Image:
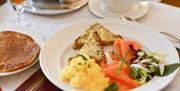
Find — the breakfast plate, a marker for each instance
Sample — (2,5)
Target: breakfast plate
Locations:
(58,49)
(32,9)
(135,12)
(20,29)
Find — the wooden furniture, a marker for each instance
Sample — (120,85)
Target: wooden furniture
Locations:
(172,2)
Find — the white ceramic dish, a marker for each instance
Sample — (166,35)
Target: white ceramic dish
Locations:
(56,51)
(99,9)
(31,9)
(36,37)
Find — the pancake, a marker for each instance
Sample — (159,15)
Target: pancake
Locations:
(17,51)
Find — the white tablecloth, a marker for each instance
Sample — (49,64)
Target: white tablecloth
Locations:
(161,16)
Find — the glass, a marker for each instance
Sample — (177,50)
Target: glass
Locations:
(18,6)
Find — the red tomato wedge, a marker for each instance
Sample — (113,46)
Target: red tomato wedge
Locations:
(123,78)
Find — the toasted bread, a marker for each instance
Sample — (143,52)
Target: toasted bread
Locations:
(92,48)
(17,51)
(106,36)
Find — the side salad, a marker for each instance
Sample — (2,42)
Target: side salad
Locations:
(133,67)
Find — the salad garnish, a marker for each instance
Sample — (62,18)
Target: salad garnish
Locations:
(123,61)
(170,68)
(148,65)
(112,87)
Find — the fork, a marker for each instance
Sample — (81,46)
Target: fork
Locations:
(176,37)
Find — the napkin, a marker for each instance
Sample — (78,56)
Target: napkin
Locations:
(37,82)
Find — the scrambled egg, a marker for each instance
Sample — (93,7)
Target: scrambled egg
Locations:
(85,74)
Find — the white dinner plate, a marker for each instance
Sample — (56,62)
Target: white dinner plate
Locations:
(32,9)
(135,12)
(56,51)
(24,30)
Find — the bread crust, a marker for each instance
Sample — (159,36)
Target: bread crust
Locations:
(17,51)
(105,35)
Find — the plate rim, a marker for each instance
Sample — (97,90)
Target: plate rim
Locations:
(57,11)
(98,14)
(19,30)
(102,20)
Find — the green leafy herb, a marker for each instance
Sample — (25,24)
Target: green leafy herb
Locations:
(141,53)
(152,68)
(167,70)
(123,61)
(143,76)
(170,68)
(118,69)
(112,87)
(82,56)
(134,72)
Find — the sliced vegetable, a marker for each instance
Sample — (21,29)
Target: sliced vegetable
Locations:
(135,44)
(112,87)
(124,76)
(152,68)
(134,72)
(155,56)
(102,63)
(122,61)
(117,48)
(161,68)
(125,48)
(141,53)
(170,68)
(143,76)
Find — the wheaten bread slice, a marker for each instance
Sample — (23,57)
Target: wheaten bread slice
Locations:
(106,36)
(92,48)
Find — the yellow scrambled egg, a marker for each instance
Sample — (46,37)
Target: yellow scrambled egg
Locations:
(85,74)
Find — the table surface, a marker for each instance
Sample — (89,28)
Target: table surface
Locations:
(157,17)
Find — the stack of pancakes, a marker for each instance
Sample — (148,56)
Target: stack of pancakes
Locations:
(17,51)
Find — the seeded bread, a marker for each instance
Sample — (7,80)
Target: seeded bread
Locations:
(106,36)
(92,48)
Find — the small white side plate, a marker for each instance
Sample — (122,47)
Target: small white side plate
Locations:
(24,30)
(32,9)
(136,11)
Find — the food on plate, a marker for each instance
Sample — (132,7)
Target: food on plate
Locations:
(129,65)
(129,72)
(71,1)
(105,35)
(125,48)
(84,73)
(92,48)
(17,51)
